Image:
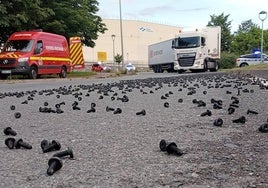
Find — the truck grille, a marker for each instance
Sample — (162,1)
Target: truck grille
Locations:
(186,62)
(7,61)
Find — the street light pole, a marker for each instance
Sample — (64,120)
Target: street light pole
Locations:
(113,37)
(262,17)
(121,32)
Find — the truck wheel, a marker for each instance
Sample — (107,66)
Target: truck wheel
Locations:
(3,76)
(33,72)
(63,72)
(205,67)
(216,67)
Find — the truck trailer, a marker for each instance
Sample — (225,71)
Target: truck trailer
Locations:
(197,50)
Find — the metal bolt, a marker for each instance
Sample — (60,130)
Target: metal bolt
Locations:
(242,119)
(118,111)
(67,152)
(10,142)
(166,104)
(20,143)
(44,144)
(170,147)
(231,110)
(9,131)
(218,122)
(54,164)
(264,128)
(207,113)
(252,112)
(143,112)
(53,146)
(108,109)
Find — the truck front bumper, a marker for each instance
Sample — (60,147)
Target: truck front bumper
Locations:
(21,68)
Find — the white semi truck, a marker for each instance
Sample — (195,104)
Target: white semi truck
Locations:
(189,50)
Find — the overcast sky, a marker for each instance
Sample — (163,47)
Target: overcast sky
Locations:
(185,13)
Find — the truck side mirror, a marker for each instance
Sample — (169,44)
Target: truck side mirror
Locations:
(203,41)
(173,44)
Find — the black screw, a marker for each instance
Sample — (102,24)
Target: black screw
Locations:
(252,112)
(231,110)
(118,111)
(20,143)
(17,115)
(67,152)
(108,109)
(9,131)
(10,142)
(54,164)
(53,146)
(206,113)
(218,122)
(242,119)
(143,112)
(12,107)
(91,110)
(44,144)
(180,100)
(264,128)
(166,104)
(170,147)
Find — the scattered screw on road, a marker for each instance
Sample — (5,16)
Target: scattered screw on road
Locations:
(68,152)
(21,144)
(55,145)
(55,164)
(9,131)
(170,147)
(10,142)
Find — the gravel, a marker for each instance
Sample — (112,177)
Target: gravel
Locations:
(122,150)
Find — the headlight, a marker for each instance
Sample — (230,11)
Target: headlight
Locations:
(23,59)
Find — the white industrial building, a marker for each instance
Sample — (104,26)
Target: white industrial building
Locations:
(137,35)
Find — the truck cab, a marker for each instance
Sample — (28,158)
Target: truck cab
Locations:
(197,51)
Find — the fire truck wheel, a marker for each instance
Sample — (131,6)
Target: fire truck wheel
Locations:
(63,72)
(33,72)
(3,76)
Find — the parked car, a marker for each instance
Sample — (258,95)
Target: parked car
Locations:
(99,68)
(250,59)
(129,67)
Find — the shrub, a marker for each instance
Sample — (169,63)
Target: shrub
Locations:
(228,60)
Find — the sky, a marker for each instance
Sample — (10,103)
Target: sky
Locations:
(185,13)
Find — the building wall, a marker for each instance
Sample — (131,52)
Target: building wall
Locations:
(137,35)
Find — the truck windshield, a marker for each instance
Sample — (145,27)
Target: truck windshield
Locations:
(187,42)
(18,46)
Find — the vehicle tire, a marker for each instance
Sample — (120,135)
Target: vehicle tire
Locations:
(154,69)
(33,73)
(243,65)
(181,71)
(4,76)
(216,68)
(63,72)
(205,67)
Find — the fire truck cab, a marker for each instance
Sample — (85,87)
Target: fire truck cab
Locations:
(35,53)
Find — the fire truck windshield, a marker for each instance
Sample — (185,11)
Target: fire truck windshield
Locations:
(18,46)
(187,42)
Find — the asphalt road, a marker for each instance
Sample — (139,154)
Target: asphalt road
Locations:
(122,150)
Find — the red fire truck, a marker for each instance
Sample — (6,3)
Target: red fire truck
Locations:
(35,53)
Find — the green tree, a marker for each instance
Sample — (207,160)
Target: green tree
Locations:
(226,37)
(17,15)
(248,37)
(74,18)
(68,18)
(246,26)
